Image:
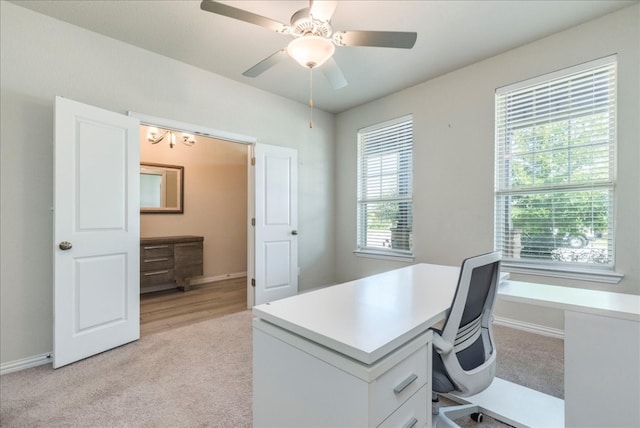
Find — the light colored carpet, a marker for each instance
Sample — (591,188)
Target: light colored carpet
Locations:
(200,376)
(194,376)
(531,360)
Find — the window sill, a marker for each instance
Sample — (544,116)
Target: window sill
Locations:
(603,276)
(384,256)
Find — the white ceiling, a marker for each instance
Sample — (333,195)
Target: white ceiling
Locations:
(451,34)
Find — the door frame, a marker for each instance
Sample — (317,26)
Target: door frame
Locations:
(250,141)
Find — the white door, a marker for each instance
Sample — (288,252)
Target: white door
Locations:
(96,231)
(276,223)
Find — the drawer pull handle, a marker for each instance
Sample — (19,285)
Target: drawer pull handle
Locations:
(411,423)
(153,247)
(408,381)
(156,260)
(160,272)
(187,245)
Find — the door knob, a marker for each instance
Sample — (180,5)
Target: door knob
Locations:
(294,232)
(65,245)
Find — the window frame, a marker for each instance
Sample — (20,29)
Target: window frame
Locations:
(403,175)
(562,269)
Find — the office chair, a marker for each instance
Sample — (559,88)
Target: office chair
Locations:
(464,354)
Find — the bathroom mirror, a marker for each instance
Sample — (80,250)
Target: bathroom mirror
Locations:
(161,189)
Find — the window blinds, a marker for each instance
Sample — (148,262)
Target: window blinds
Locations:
(555,167)
(385,207)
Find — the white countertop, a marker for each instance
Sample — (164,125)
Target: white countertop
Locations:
(614,305)
(370,317)
(367,318)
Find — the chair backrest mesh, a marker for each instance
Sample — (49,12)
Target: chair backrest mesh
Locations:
(471,345)
(481,279)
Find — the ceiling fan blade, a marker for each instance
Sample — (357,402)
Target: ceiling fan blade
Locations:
(323,9)
(242,15)
(383,39)
(266,63)
(333,74)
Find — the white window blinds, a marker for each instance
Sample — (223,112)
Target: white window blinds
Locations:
(555,167)
(385,206)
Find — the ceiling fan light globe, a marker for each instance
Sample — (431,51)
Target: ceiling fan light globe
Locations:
(311,51)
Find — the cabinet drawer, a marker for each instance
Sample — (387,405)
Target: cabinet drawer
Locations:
(162,276)
(393,388)
(412,414)
(188,253)
(188,259)
(156,263)
(155,250)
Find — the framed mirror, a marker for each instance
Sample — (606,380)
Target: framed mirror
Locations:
(161,189)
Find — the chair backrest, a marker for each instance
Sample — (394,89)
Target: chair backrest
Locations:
(471,365)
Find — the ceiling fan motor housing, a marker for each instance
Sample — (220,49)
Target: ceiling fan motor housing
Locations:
(302,23)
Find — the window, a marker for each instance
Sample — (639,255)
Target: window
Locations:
(555,169)
(385,205)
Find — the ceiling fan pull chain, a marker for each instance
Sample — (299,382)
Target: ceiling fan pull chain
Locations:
(310,97)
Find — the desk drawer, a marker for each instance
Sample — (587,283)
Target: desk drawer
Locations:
(155,250)
(393,388)
(412,414)
(156,263)
(162,276)
(189,253)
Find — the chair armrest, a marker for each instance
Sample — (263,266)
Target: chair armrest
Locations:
(440,345)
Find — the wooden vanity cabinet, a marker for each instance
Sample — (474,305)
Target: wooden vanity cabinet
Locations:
(170,259)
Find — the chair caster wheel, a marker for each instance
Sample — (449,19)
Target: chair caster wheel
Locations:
(478,417)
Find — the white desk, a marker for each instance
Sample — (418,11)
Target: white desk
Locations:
(333,357)
(601,351)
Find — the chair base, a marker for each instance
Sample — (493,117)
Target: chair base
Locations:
(444,416)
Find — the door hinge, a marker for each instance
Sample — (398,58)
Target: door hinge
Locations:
(253,221)
(253,161)
(253,282)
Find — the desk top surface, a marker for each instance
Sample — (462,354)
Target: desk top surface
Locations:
(595,302)
(369,317)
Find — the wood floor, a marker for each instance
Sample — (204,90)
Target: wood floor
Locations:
(166,310)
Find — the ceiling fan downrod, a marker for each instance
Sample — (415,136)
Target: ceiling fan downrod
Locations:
(311,97)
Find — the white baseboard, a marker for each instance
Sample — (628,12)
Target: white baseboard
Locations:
(531,328)
(25,363)
(218,278)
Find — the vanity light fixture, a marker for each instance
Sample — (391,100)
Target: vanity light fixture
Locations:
(154,136)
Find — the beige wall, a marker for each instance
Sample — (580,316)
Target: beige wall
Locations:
(454,155)
(215,200)
(41,57)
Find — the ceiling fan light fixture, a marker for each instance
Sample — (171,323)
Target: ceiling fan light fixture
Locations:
(311,51)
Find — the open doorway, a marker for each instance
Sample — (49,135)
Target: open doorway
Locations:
(213,195)
(108,205)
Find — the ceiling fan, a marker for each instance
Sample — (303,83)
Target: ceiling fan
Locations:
(314,40)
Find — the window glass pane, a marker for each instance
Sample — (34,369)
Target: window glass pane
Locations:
(555,145)
(385,187)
